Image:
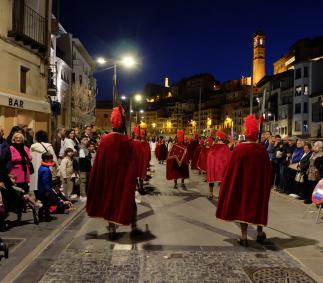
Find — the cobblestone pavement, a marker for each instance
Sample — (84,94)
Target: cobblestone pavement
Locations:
(181,241)
(218,265)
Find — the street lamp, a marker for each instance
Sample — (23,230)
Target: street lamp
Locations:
(127,62)
(274,128)
(138,98)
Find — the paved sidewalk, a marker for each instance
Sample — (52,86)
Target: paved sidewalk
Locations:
(28,240)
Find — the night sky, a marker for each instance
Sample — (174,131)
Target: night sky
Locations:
(181,38)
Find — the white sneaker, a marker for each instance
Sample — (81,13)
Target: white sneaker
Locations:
(293,195)
(83,199)
(73,196)
(137,197)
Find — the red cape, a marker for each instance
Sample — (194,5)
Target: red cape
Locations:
(196,156)
(112,184)
(147,154)
(201,163)
(245,190)
(140,166)
(191,148)
(162,152)
(173,170)
(217,162)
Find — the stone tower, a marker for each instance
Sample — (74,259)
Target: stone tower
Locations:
(259,68)
(166,82)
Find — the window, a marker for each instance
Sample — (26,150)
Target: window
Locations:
(298,90)
(298,107)
(305,72)
(298,73)
(305,125)
(23,79)
(305,109)
(297,126)
(305,89)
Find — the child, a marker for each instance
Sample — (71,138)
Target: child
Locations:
(91,148)
(66,171)
(59,202)
(44,185)
(84,166)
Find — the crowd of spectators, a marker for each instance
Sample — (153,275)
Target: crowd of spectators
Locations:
(41,176)
(293,160)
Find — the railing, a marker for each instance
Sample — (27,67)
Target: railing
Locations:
(28,25)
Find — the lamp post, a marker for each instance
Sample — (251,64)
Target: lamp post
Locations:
(127,62)
(138,98)
(274,129)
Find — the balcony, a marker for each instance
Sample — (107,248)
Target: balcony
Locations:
(28,26)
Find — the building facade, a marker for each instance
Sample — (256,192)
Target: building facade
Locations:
(24,52)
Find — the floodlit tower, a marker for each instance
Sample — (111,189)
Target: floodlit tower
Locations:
(259,68)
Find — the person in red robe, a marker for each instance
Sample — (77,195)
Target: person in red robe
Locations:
(217,161)
(245,190)
(201,163)
(177,161)
(196,155)
(141,169)
(193,144)
(146,152)
(112,184)
(162,152)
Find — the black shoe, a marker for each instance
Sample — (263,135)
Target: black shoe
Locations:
(175,186)
(183,186)
(262,238)
(242,242)
(135,232)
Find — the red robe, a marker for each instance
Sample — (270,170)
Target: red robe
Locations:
(245,190)
(177,163)
(112,184)
(196,157)
(162,152)
(157,149)
(191,148)
(147,154)
(140,166)
(202,161)
(217,162)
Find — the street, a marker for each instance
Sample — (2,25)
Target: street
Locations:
(182,241)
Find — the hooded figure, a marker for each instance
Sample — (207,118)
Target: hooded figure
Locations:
(177,161)
(112,185)
(245,190)
(192,146)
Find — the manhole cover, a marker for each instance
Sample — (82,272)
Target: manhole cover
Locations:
(12,243)
(277,275)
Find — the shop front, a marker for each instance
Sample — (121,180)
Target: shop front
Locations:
(23,111)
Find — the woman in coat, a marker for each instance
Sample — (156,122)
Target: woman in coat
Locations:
(36,151)
(20,164)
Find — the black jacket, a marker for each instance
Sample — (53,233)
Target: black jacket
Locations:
(305,162)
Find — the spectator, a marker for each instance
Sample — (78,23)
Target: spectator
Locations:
(88,132)
(66,171)
(293,167)
(91,148)
(5,145)
(44,185)
(301,178)
(59,202)
(36,151)
(77,136)
(70,140)
(312,172)
(84,167)
(29,137)
(20,164)
(59,143)
(276,152)
(267,139)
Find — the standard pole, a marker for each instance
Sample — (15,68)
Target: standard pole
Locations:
(130,109)
(115,85)
(251,87)
(199,131)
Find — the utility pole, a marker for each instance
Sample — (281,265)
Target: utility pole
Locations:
(251,87)
(199,131)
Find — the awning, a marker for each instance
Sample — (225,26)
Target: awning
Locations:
(20,102)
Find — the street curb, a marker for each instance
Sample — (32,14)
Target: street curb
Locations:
(27,260)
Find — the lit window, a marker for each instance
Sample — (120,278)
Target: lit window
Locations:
(305,89)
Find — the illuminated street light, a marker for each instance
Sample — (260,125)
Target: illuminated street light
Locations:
(127,62)
(141,111)
(138,97)
(123,97)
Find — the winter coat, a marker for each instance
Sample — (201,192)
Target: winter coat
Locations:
(16,167)
(36,151)
(297,154)
(44,181)
(66,168)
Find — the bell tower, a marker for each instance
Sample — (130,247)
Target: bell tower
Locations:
(259,68)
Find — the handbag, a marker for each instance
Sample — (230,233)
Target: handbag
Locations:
(299,177)
(293,166)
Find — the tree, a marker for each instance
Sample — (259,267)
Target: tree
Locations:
(83,105)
